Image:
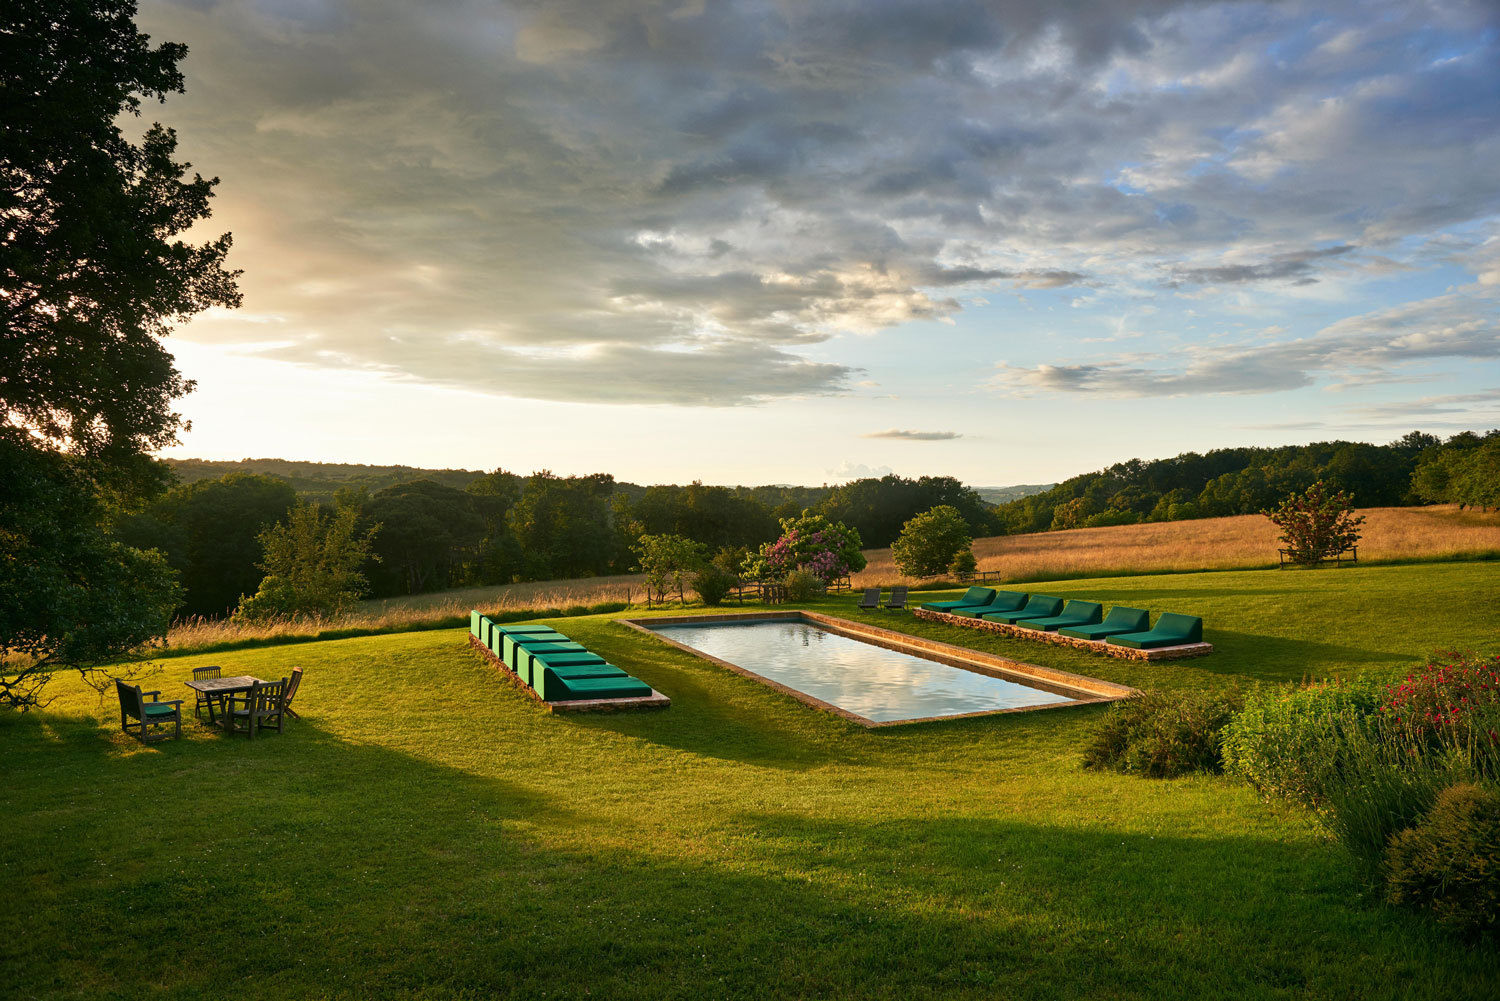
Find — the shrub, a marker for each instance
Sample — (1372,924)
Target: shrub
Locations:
(1162,734)
(801,585)
(1452,702)
(811,543)
(712,584)
(964,564)
(1449,863)
(930,541)
(1286,741)
(1316,524)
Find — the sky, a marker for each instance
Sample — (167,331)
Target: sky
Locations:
(803,242)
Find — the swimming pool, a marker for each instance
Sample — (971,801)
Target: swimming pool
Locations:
(817,659)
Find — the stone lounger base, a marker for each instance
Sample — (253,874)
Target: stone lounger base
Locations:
(656,700)
(1094,646)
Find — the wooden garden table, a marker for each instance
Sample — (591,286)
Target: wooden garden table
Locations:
(221,688)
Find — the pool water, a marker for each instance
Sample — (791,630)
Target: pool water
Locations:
(882,685)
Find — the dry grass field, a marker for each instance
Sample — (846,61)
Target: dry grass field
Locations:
(1242,542)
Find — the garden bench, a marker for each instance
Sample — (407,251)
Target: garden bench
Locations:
(1338,559)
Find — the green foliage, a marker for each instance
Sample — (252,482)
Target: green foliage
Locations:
(713,583)
(428,534)
(714,516)
(1449,862)
(802,585)
(1464,471)
(70,596)
(210,532)
(1288,741)
(1223,482)
(94,271)
(827,550)
(323,481)
(1161,734)
(931,541)
(1317,524)
(878,509)
(963,564)
(563,526)
(668,561)
(312,565)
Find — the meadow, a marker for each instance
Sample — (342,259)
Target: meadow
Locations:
(1391,534)
(425,831)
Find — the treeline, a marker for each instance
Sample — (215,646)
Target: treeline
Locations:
(1416,469)
(501,528)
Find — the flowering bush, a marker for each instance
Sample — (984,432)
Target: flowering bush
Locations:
(1452,699)
(811,543)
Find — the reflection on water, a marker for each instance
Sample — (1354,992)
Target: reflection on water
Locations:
(871,681)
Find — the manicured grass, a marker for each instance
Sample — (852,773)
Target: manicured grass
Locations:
(425,831)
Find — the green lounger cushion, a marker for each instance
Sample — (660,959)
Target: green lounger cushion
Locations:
(523,630)
(512,643)
(1074,613)
(1119,620)
(600,688)
(528,657)
(1040,606)
(160,708)
(973,596)
(1003,601)
(551,680)
(1171,630)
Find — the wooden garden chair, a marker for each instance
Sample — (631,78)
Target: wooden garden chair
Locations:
(291,690)
(205,700)
(898,598)
(133,705)
(871,598)
(256,708)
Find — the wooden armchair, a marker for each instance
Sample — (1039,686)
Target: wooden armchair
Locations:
(256,708)
(205,700)
(133,705)
(291,690)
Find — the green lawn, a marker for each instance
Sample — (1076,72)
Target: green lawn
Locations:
(425,831)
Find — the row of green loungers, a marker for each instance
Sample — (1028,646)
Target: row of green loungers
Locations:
(555,667)
(1085,620)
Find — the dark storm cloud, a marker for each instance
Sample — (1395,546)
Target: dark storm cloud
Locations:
(662,191)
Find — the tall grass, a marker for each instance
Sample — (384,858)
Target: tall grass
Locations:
(1241,542)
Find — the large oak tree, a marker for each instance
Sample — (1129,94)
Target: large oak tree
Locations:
(93,273)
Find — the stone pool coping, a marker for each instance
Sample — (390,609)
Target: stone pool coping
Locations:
(1079,689)
(1093,646)
(656,700)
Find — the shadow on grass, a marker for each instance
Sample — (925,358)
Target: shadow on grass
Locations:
(368,872)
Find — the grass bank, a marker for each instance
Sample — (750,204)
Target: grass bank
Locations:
(425,832)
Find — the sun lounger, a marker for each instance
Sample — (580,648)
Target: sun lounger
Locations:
(1038,606)
(871,598)
(532,659)
(1074,613)
(973,596)
(898,598)
(551,680)
(508,644)
(1119,620)
(1171,630)
(572,690)
(1003,601)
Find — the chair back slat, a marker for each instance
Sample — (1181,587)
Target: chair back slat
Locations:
(268,696)
(131,699)
(291,687)
(204,673)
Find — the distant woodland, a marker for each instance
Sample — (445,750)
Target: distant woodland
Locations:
(438,529)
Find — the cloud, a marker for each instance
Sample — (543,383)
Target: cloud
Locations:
(914,435)
(1371,347)
(633,180)
(846,471)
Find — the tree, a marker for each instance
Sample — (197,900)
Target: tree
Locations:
(812,544)
(92,270)
(209,532)
(312,564)
(92,274)
(929,543)
(70,596)
(667,560)
(1317,524)
(428,533)
(563,526)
